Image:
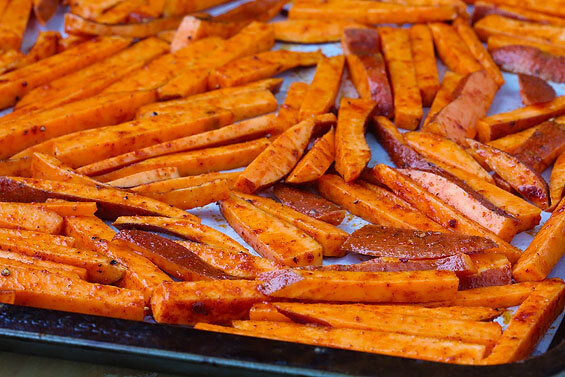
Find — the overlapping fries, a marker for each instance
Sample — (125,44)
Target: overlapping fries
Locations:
(140,130)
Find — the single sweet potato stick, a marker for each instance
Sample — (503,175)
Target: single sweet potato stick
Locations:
(491,270)
(192,29)
(311,31)
(534,90)
(14,19)
(185,182)
(498,25)
(194,196)
(44,166)
(452,50)
(444,96)
(517,10)
(65,208)
(322,92)
(29,217)
(531,61)
(422,43)
(145,178)
(22,260)
(316,161)
(498,41)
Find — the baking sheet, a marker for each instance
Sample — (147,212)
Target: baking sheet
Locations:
(508,98)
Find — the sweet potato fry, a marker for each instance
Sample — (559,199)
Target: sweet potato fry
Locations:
(198,161)
(70,41)
(14,19)
(330,237)
(491,270)
(529,323)
(288,114)
(438,210)
(484,8)
(438,148)
(311,31)
(195,196)
(39,236)
(100,269)
(192,29)
(486,333)
(45,46)
(498,25)
(370,12)
(266,312)
(469,203)
(309,204)
(503,296)
(185,182)
(323,89)
(444,96)
(40,264)
(498,41)
(452,50)
(272,238)
(557,181)
(171,257)
(241,265)
(73,117)
(352,152)
(29,217)
(144,178)
(423,53)
(111,203)
(278,159)
(520,176)
(260,66)
(14,85)
(7,297)
(417,286)
(184,228)
(44,10)
(316,161)
(10,60)
(48,167)
(258,10)
(35,288)
(512,142)
(543,147)
(531,61)
(499,125)
(479,52)
(20,167)
(534,90)
(182,7)
(92,9)
(89,146)
(388,242)
(93,234)
(374,204)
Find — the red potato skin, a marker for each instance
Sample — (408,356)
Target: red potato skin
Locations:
(534,90)
(530,61)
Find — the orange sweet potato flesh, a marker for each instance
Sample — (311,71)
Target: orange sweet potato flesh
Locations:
(185,182)
(498,25)
(543,146)
(40,237)
(491,269)
(512,142)
(21,260)
(269,236)
(171,257)
(504,296)
(352,153)
(181,7)
(330,237)
(486,333)
(111,203)
(374,204)
(316,161)
(534,90)
(91,233)
(64,208)
(48,290)
(402,72)
(557,181)
(529,323)
(29,217)
(185,228)
(379,241)
(369,287)
(186,303)
(517,11)
(366,65)
(520,176)
(309,204)
(44,166)
(7,297)
(311,31)
(266,312)
(444,96)
(289,112)
(14,20)
(193,28)
(452,50)
(20,167)
(263,10)
(499,41)
(438,210)
(195,196)
(422,43)
(146,177)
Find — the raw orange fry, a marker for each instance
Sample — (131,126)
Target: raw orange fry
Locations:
(374,204)
(185,182)
(504,296)
(194,196)
(44,166)
(28,217)
(316,161)
(147,177)
(7,297)
(422,43)
(39,236)
(444,95)
(401,68)
(192,29)
(36,288)
(497,25)
(266,312)
(272,238)
(288,114)
(312,30)
(64,208)
(452,50)
(322,91)
(529,323)
(14,19)
(40,264)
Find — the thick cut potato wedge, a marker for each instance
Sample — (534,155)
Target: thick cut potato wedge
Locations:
(44,166)
(469,202)
(29,217)
(272,238)
(520,176)
(504,296)
(145,178)
(458,119)
(388,242)
(330,237)
(111,203)
(170,256)
(316,161)
(354,317)
(288,114)
(277,160)
(557,181)
(444,96)
(192,29)
(309,204)
(534,90)
(374,204)
(417,286)
(22,260)
(195,196)
(186,303)
(422,43)
(498,41)
(48,290)
(543,146)
(322,91)
(352,153)
(14,85)
(184,228)
(402,72)
(491,270)
(452,50)
(499,125)
(93,234)
(65,208)
(530,61)
(185,182)
(438,210)
(312,31)
(498,25)
(367,68)
(199,161)
(529,323)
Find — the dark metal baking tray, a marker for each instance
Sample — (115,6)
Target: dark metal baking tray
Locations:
(183,350)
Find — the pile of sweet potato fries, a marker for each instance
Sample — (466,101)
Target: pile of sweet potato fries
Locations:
(149,108)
